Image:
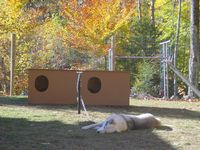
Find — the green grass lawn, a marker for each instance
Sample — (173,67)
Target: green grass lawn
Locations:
(42,127)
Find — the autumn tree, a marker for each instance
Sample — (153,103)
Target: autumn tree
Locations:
(16,18)
(194,62)
(91,22)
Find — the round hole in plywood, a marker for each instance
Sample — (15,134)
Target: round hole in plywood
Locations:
(94,85)
(41,83)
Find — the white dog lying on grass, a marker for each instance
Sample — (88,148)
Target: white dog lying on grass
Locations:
(121,122)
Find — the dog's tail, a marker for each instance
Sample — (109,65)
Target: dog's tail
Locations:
(165,127)
(161,126)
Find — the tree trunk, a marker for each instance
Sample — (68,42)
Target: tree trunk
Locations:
(176,47)
(173,7)
(152,22)
(152,13)
(194,46)
(139,10)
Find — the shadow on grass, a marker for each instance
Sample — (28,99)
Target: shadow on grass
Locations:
(18,101)
(168,112)
(23,134)
(158,111)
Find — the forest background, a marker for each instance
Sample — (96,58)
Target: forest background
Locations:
(77,35)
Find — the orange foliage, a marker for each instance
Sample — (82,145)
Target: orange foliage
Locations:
(91,22)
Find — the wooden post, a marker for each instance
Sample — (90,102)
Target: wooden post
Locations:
(12,62)
(79,91)
(113,52)
(105,61)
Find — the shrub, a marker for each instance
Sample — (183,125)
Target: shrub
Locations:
(148,80)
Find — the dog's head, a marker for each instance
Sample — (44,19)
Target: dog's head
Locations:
(113,124)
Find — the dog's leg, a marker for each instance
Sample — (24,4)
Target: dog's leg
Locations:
(95,126)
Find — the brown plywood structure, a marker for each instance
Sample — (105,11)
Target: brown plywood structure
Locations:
(52,86)
(105,88)
(109,88)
